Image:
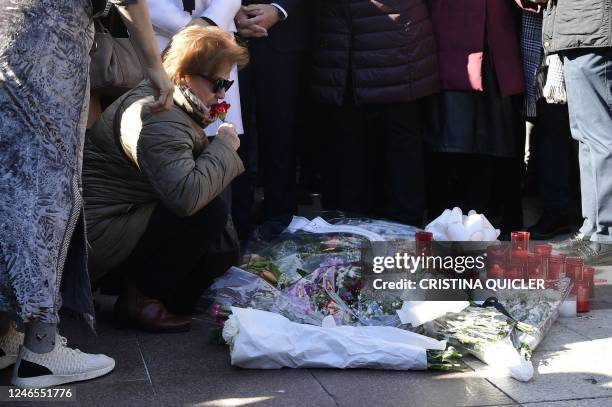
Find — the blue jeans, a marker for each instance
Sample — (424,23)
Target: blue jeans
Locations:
(588,80)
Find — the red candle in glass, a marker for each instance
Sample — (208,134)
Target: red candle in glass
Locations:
(515,270)
(496,271)
(520,240)
(519,256)
(588,277)
(423,243)
(573,268)
(535,269)
(544,249)
(497,254)
(582,297)
(556,266)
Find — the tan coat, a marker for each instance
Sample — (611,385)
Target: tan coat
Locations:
(160,158)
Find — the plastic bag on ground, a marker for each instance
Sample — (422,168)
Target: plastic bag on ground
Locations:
(264,340)
(416,313)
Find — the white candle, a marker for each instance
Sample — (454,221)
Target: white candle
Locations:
(568,307)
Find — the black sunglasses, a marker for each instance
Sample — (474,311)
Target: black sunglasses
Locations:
(218,83)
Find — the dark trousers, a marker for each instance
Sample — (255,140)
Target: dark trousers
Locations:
(373,161)
(588,80)
(173,261)
(489,185)
(269,89)
(555,155)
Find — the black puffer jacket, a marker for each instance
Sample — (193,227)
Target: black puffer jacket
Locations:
(384,50)
(572,24)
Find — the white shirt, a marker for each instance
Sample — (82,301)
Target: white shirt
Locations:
(168,18)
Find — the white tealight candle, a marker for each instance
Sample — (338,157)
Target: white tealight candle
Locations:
(568,307)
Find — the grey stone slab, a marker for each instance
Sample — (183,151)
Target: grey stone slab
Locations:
(189,351)
(105,329)
(597,402)
(390,388)
(580,372)
(596,324)
(94,393)
(129,363)
(284,388)
(560,337)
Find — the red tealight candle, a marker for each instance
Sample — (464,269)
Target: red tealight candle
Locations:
(588,277)
(423,236)
(520,240)
(423,243)
(582,297)
(497,254)
(515,271)
(519,256)
(556,266)
(495,271)
(573,268)
(543,249)
(534,264)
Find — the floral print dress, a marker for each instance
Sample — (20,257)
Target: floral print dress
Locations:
(44,93)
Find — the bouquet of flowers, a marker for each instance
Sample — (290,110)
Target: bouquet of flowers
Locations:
(537,309)
(490,336)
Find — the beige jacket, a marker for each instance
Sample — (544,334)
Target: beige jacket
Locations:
(160,158)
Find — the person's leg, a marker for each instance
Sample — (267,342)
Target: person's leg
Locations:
(276,80)
(554,146)
(554,143)
(346,174)
(401,131)
(588,76)
(244,184)
(475,176)
(171,247)
(212,265)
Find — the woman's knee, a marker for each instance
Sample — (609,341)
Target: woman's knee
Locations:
(212,219)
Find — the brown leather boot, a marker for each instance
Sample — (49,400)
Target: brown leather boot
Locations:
(148,314)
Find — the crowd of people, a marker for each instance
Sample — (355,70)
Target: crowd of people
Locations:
(394,109)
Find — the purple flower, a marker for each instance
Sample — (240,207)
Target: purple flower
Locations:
(334,261)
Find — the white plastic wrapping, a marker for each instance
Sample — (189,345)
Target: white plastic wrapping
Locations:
(416,313)
(265,340)
(453,225)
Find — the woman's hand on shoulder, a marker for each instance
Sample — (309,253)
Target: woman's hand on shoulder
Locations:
(164,90)
(227,132)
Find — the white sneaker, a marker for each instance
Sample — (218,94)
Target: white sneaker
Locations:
(9,346)
(61,365)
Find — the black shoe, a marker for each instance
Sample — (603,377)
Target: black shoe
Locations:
(552,223)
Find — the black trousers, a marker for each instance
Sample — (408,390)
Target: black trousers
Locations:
(174,262)
(489,185)
(269,91)
(373,161)
(556,156)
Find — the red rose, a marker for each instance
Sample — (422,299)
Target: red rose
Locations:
(219,110)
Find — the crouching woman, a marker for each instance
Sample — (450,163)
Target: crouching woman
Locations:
(152,185)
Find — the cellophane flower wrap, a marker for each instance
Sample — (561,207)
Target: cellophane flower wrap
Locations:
(312,271)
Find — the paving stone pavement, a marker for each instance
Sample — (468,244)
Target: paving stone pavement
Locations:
(573,369)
